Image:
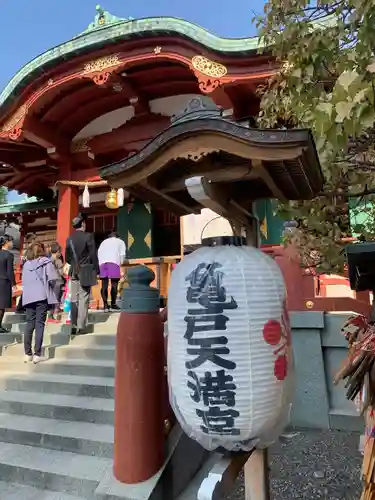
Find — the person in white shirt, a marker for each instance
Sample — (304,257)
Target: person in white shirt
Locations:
(111,256)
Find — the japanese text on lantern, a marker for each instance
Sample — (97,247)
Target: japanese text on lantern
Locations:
(215,390)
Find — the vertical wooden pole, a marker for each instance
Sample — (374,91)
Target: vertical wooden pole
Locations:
(256,468)
(257,476)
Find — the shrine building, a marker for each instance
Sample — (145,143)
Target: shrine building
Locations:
(112,123)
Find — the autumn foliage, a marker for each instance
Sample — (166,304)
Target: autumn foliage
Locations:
(325,81)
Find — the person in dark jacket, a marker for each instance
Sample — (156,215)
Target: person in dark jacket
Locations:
(81,255)
(7,278)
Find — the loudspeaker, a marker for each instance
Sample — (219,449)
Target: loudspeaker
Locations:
(361,266)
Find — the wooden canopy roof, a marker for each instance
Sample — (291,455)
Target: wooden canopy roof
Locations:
(246,164)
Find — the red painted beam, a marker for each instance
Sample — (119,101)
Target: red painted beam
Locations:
(91,174)
(46,137)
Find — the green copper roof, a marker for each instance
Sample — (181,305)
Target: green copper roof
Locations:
(103,18)
(106,30)
(30,205)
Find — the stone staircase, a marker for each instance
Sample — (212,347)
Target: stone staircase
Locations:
(56,418)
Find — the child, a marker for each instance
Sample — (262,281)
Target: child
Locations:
(57,261)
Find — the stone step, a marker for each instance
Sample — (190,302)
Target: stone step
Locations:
(77,351)
(57,406)
(14,341)
(101,316)
(16,491)
(17,350)
(58,471)
(11,317)
(94,316)
(78,437)
(49,338)
(96,339)
(66,348)
(109,326)
(83,367)
(96,387)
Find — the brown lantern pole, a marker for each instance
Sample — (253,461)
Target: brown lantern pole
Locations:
(139,382)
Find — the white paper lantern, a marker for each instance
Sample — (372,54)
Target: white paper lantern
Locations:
(229,348)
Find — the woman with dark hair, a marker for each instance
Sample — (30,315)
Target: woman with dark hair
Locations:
(7,278)
(39,277)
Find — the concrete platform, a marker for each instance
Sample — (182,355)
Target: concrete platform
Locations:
(52,470)
(14,491)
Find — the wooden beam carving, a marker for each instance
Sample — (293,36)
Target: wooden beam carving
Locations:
(15,156)
(213,173)
(265,175)
(166,197)
(216,199)
(122,83)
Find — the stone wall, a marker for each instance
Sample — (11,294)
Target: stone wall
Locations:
(319,349)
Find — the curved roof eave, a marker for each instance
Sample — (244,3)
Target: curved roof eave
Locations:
(123,30)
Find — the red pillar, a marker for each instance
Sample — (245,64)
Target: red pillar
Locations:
(67,209)
(289,263)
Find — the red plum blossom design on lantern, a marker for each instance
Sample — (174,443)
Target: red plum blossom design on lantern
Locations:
(277,334)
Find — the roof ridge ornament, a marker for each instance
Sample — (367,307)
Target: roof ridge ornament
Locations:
(103,19)
(198,107)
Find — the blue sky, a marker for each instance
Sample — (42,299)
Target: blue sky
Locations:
(30,27)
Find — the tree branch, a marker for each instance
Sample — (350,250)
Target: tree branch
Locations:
(346,195)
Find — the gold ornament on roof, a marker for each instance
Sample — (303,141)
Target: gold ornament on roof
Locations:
(101,64)
(208,67)
(19,114)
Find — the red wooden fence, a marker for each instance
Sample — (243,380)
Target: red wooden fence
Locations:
(307,292)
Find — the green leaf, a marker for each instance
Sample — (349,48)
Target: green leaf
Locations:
(348,78)
(326,107)
(343,110)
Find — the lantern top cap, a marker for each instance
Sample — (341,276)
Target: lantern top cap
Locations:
(217,241)
(140,297)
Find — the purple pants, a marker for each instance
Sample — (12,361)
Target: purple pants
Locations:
(110,270)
